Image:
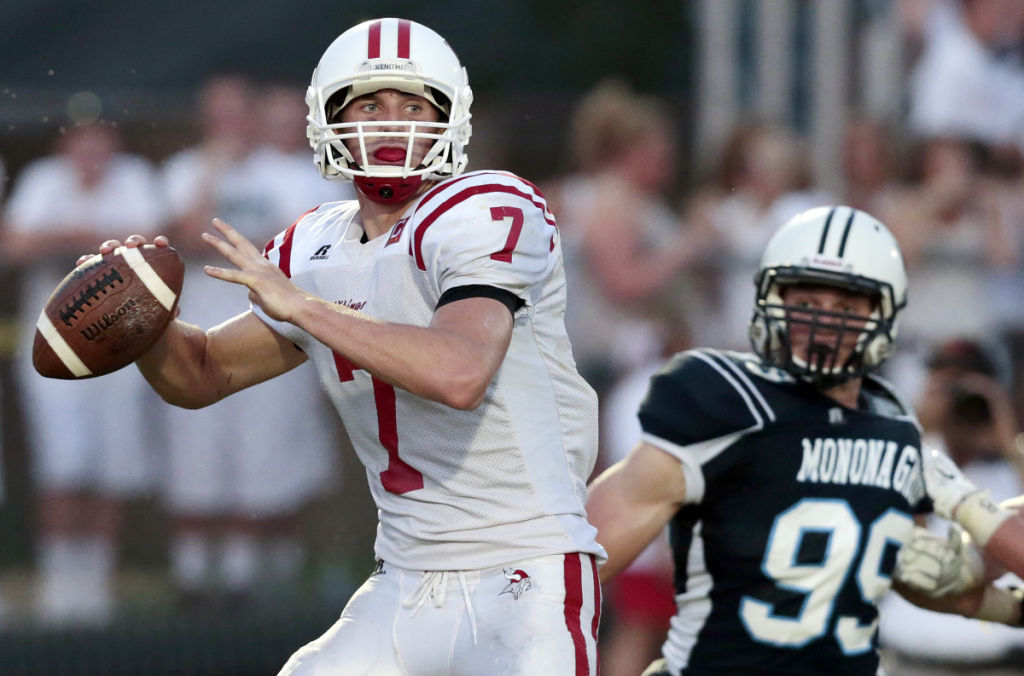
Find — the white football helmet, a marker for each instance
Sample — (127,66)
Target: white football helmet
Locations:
(833,246)
(389,54)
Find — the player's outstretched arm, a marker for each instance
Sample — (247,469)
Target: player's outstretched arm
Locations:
(631,502)
(1006,544)
(985,602)
(997,529)
(192,368)
(452,361)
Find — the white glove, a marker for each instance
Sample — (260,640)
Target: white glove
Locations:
(936,566)
(945,483)
(957,498)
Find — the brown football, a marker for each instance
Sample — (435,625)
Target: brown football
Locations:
(107,312)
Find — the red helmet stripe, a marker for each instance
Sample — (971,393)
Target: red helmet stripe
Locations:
(404,29)
(373,44)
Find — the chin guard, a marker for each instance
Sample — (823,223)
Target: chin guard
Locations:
(388,190)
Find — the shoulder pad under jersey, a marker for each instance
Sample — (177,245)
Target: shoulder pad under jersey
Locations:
(883,399)
(701,395)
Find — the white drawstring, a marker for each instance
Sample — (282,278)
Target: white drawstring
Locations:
(469,604)
(434,585)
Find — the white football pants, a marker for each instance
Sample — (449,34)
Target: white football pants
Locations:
(538,616)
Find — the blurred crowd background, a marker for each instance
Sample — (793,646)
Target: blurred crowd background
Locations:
(670,139)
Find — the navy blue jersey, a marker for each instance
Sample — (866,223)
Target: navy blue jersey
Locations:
(795,511)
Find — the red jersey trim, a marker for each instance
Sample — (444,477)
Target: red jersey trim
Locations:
(465,194)
(285,262)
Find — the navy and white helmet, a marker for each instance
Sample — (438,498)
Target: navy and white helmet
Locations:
(835,246)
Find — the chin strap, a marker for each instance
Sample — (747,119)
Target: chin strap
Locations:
(388,190)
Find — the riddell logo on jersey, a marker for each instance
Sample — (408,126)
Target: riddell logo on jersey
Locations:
(518,582)
(321,253)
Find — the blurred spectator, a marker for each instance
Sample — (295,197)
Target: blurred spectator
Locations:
(871,166)
(624,247)
(950,230)
(969,79)
(762,181)
(88,438)
(1004,180)
(964,410)
(285,154)
(3,257)
(5,385)
(239,473)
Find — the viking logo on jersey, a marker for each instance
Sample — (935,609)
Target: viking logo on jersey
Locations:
(518,582)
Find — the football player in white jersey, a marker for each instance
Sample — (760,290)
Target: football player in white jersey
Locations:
(432,309)
(790,477)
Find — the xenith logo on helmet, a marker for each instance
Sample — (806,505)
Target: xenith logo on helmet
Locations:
(387,65)
(392,66)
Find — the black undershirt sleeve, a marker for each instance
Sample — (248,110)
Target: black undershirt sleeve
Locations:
(507,298)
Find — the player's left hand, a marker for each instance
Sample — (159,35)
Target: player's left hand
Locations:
(946,484)
(269,288)
(937,566)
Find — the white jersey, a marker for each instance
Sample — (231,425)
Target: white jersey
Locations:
(458,490)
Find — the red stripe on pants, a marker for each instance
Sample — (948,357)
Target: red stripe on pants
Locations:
(597,608)
(573,608)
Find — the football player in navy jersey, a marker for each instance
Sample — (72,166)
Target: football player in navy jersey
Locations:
(790,476)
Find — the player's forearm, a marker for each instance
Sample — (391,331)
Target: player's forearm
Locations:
(176,367)
(986,602)
(964,603)
(624,527)
(435,363)
(1006,545)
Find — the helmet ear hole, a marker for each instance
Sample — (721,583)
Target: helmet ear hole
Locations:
(334,105)
(440,101)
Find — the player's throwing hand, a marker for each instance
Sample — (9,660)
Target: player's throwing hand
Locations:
(268,286)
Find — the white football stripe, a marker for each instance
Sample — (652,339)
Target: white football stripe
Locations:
(148,275)
(60,347)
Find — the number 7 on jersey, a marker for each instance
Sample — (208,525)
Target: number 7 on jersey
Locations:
(400,477)
(514,216)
